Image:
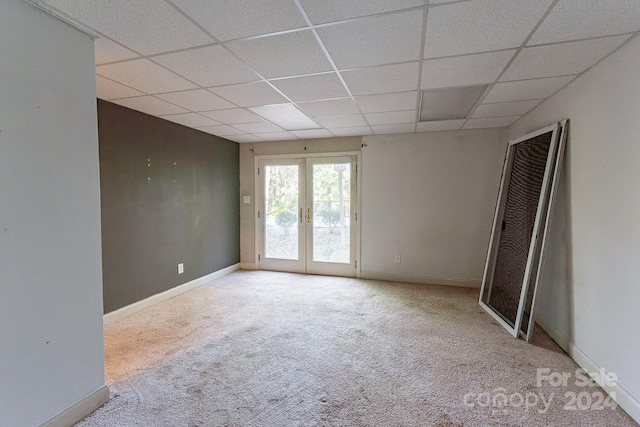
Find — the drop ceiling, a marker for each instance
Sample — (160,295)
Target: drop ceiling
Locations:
(352,67)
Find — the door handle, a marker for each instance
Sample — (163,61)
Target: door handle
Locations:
(308,215)
(300,216)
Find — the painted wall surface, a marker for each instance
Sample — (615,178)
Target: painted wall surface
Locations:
(594,302)
(169,196)
(51,342)
(247,185)
(430,198)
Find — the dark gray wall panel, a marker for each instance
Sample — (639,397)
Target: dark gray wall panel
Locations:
(169,194)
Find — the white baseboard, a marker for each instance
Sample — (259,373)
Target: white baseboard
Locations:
(465,283)
(80,410)
(168,294)
(248,266)
(623,398)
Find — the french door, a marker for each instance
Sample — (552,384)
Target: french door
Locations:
(307,215)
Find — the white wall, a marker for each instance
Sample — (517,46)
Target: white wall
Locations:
(430,198)
(51,342)
(593,305)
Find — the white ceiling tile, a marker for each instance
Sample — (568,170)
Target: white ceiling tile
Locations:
(258,127)
(324,11)
(330,107)
(250,94)
(244,138)
(145,76)
(208,66)
(481,25)
(374,41)
(387,129)
(196,100)
(310,88)
(223,130)
(283,55)
(148,27)
(578,19)
(107,89)
(232,116)
(503,109)
(310,134)
(341,121)
(560,59)
(190,119)
(526,89)
(276,136)
(108,51)
(228,20)
(354,131)
(391,118)
(150,105)
(464,70)
(496,122)
(440,125)
(387,102)
(382,79)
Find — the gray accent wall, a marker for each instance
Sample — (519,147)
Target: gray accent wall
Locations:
(169,195)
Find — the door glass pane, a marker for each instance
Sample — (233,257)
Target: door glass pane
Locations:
(281,212)
(331,212)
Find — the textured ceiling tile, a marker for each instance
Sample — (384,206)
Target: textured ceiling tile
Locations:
(283,55)
(310,134)
(560,59)
(107,89)
(382,79)
(392,118)
(221,130)
(190,119)
(108,51)
(208,66)
(233,19)
(481,25)
(387,102)
(526,89)
(504,109)
(244,138)
(324,11)
(148,27)
(310,88)
(250,94)
(196,100)
(440,125)
(388,129)
(353,131)
(276,136)
(145,76)
(578,19)
(330,107)
(375,41)
(497,122)
(341,121)
(464,70)
(150,105)
(258,127)
(232,116)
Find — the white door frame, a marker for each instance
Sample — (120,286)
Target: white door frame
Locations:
(358,198)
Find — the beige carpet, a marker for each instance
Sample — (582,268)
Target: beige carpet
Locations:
(277,349)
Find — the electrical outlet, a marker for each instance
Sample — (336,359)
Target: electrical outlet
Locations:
(396,259)
(180,268)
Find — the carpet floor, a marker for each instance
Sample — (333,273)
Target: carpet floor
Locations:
(261,348)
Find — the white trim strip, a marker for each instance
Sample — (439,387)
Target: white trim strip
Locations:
(77,412)
(168,294)
(446,281)
(622,397)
